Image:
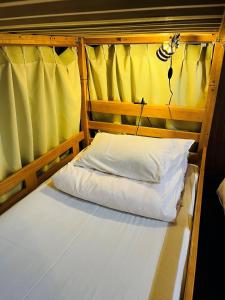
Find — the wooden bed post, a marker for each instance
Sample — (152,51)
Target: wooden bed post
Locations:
(84,89)
(204,137)
(193,248)
(212,93)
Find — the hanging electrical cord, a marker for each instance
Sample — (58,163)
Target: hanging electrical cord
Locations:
(140,116)
(165,52)
(150,123)
(170,74)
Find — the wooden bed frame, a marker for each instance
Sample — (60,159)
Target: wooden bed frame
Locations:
(30,176)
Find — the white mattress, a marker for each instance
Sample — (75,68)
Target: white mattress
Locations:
(53,246)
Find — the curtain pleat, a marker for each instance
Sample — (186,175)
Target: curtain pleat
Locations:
(132,72)
(40,100)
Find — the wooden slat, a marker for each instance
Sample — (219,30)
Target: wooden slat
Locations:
(84,90)
(170,25)
(19,3)
(157,111)
(74,24)
(13,199)
(153,38)
(42,40)
(212,94)
(144,131)
(37,164)
(124,31)
(71,11)
(29,8)
(191,266)
(28,174)
(56,167)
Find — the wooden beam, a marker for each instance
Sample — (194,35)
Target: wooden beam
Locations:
(124,31)
(153,38)
(24,2)
(159,26)
(99,11)
(144,131)
(84,90)
(212,94)
(173,112)
(75,24)
(42,40)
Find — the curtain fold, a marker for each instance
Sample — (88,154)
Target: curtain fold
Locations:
(132,72)
(40,100)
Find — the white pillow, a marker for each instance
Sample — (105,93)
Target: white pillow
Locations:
(135,157)
(158,201)
(221,193)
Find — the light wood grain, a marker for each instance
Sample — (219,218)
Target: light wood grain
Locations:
(84,90)
(150,38)
(191,265)
(144,131)
(149,110)
(40,40)
(212,94)
(28,174)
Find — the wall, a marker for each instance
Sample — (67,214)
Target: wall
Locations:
(215,163)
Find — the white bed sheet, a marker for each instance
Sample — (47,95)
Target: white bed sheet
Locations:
(53,246)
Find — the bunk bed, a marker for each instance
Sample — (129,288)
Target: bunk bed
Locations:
(72,249)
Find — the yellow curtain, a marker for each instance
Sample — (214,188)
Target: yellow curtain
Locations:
(130,72)
(40,101)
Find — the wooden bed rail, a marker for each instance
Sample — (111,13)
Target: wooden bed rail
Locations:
(150,38)
(143,131)
(171,112)
(193,250)
(126,108)
(33,175)
(39,40)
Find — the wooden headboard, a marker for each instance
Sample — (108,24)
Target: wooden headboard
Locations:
(171,112)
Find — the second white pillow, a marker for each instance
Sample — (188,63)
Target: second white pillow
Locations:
(135,157)
(158,201)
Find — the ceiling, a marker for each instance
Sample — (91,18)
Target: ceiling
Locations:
(98,17)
